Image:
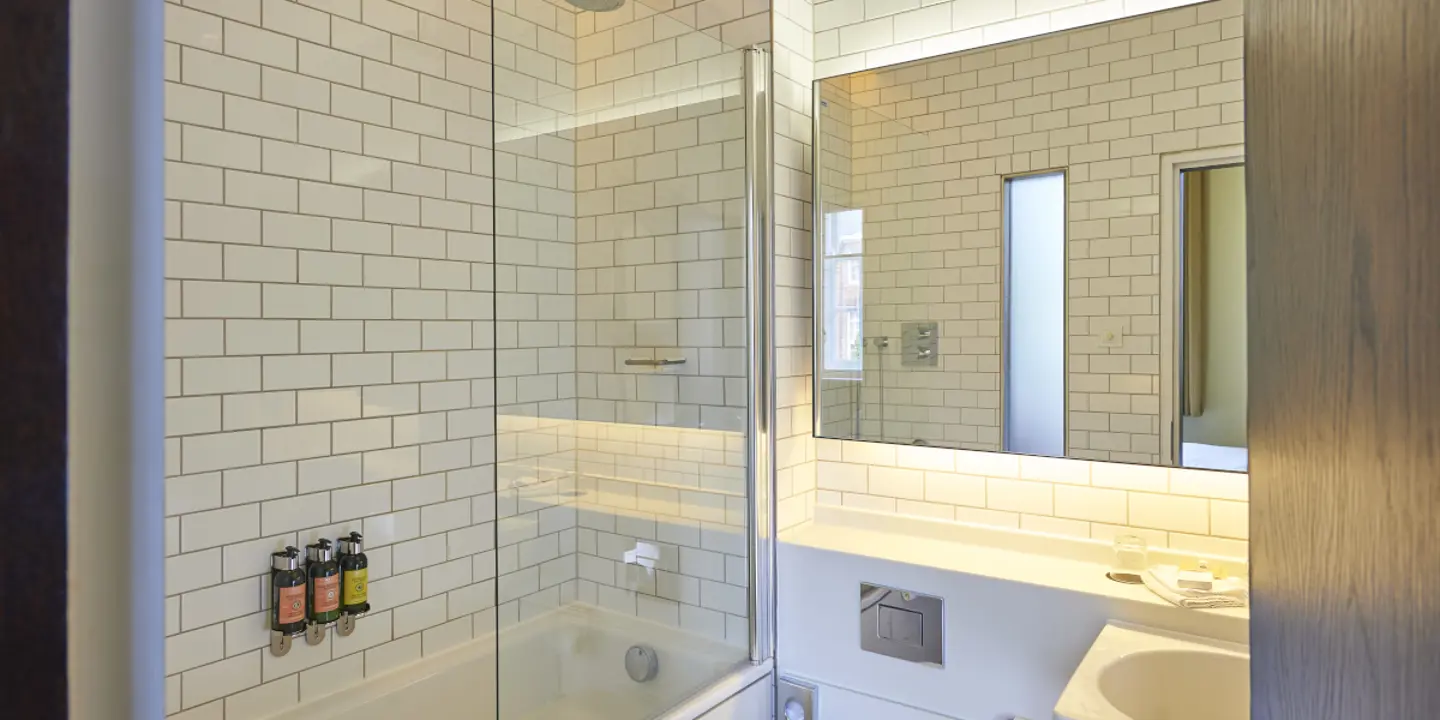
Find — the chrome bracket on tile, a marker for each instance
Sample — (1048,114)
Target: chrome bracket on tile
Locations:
(315,633)
(655,362)
(279,643)
(345,625)
(902,624)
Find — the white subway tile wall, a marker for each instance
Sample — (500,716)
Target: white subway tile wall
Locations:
(793,61)
(374,313)
(328,253)
(535,515)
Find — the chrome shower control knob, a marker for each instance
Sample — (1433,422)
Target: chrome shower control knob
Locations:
(794,710)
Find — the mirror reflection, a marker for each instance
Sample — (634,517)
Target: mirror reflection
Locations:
(1034,251)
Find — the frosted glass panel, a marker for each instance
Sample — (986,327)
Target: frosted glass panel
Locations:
(1034,404)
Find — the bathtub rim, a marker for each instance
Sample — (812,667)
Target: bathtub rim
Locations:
(738,680)
(483,647)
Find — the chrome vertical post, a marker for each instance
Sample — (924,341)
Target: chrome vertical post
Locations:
(759,305)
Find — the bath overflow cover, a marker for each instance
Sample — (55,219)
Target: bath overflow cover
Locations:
(642,663)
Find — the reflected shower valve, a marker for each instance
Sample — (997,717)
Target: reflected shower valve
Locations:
(918,344)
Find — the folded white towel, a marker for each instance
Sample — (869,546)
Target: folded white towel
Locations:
(1164,580)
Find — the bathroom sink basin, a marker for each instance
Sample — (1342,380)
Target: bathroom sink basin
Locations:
(1140,674)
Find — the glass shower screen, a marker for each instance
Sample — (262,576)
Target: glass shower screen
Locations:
(621,395)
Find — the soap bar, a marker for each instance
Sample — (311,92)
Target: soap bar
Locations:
(1195,579)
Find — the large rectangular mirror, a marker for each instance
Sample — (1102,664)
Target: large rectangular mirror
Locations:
(1038,247)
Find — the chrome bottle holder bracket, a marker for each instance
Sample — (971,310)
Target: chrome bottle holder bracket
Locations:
(346,624)
(280,642)
(315,633)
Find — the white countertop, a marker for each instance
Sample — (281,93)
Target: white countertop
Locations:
(1030,558)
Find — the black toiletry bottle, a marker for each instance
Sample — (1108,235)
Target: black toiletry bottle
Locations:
(354,575)
(287,592)
(324,583)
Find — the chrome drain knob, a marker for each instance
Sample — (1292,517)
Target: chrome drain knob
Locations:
(794,710)
(641,663)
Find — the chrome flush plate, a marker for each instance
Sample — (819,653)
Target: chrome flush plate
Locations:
(902,624)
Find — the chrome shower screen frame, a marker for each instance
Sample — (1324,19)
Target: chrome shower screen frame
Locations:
(760,355)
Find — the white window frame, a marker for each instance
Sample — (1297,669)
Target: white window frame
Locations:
(831,368)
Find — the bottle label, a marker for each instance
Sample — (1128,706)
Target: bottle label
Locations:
(357,586)
(327,593)
(292,604)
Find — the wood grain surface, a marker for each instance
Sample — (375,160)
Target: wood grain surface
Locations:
(33,157)
(1343,142)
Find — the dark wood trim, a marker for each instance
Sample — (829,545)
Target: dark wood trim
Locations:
(1343,179)
(34,88)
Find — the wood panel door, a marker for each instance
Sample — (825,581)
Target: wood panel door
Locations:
(1343,140)
(34,109)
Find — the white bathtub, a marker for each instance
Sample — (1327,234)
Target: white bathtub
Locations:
(565,665)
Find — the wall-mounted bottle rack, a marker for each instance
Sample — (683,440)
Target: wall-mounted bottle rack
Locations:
(329,589)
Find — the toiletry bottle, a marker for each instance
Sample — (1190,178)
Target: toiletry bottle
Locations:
(324,583)
(354,575)
(287,592)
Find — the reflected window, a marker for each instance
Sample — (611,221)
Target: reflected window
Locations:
(844,292)
(1035,314)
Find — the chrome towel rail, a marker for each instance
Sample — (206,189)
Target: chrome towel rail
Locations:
(655,362)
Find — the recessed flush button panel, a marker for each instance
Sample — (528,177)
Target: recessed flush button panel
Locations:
(920,344)
(902,624)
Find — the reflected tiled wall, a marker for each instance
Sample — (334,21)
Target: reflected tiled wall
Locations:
(855,35)
(1193,510)
(931,143)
